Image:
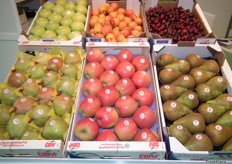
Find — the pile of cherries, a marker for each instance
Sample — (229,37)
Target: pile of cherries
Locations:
(176,23)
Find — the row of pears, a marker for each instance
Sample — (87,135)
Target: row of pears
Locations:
(38,97)
(195,102)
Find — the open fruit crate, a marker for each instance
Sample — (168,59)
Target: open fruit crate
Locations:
(25,96)
(124,147)
(128,11)
(169,22)
(55,22)
(178,135)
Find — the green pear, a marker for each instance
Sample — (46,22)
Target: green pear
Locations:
(211,112)
(70,71)
(24,104)
(174,110)
(67,87)
(218,134)
(50,79)
(72,57)
(199,142)
(224,99)
(189,99)
(37,71)
(167,76)
(218,82)
(171,92)
(186,81)
(180,133)
(62,105)
(180,65)
(42,57)
(225,119)
(16,126)
(200,75)
(194,122)
(8,95)
(30,135)
(30,88)
(227,146)
(194,60)
(205,92)
(4,115)
(40,114)
(165,59)
(22,65)
(211,66)
(55,129)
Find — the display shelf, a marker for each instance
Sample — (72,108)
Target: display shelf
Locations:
(99,161)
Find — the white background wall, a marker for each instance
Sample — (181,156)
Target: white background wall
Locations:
(222,9)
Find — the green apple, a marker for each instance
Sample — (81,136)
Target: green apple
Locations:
(58,9)
(79,17)
(81,9)
(55,17)
(37,30)
(63,30)
(61,2)
(44,13)
(82,2)
(33,38)
(48,5)
(66,21)
(68,13)
(52,25)
(62,38)
(69,5)
(73,34)
(41,22)
(49,34)
(77,26)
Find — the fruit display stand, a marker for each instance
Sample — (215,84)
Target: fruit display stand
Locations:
(27,90)
(54,24)
(177,148)
(177,18)
(123,148)
(126,18)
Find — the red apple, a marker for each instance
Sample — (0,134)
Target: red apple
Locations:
(145,117)
(125,69)
(86,129)
(126,106)
(109,78)
(141,78)
(140,63)
(95,55)
(147,135)
(93,69)
(125,129)
(89,106)
(92,86)
(125,55)
(144,96)
(125,86)
(107,135)
(108,95)
(109,63)
(106,117)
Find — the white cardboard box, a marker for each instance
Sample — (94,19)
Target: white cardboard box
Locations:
(175,149)
(120,149)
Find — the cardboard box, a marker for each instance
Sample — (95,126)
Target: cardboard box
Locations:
(192,5)
(175,149)
(127,4)
(22,40)
(120,149)
(41,148)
